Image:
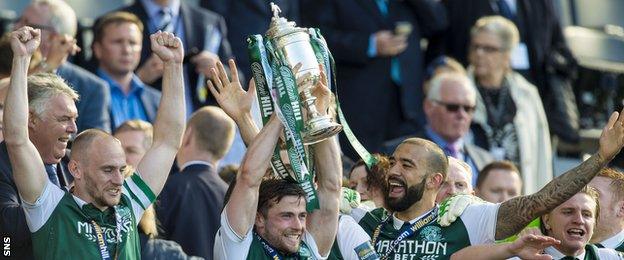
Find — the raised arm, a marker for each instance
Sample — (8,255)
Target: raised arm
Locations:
(234,100)
(28,170)
(242,206)
(516,213)
(170,120)
(323,222)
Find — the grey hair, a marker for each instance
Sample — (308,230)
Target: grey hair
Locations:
(44,86)
(503,28)
(62,16)
(461,164)
(435,85)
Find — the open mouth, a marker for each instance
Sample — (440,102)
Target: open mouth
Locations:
(63,139)
(396,187)
(114,192)
(576,233)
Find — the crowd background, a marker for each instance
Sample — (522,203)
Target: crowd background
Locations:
(565,83)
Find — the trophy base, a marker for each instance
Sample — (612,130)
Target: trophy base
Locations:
(319,129)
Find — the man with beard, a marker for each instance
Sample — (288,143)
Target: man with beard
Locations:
(418,168)
(95,219)
(609,230)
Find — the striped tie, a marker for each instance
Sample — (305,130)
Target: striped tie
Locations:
(166,21)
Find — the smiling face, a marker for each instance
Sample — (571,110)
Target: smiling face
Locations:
(284,224)
(99,173)
(51,130)
(573,223)
(407,177)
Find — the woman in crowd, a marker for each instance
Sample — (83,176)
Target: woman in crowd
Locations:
(509,119)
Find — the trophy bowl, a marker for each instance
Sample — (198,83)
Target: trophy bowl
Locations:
(294,45)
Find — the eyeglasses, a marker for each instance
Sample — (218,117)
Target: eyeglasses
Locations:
(485,48)
(455,107)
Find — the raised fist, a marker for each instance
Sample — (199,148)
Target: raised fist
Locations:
(25,41)
(167,47)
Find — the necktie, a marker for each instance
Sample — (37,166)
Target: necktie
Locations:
(395,66)
(504,10)
(452,151)
(51,171)
(166,21)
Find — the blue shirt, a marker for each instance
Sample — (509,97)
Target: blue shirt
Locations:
(434,137)
(125,107)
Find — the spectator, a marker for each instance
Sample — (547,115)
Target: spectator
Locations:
(380,71)
(509,118)
(542,55)
(449,109)
(203,34)
(442,64)
(248,17)
(57,22)
(609,230)
(458,180)
(135,137)
(101,202)
(190,203)
(369,183)
(498,182)
(49,98)
(117,47)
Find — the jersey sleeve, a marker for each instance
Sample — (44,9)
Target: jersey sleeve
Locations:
(229,245)
(38,213)
(480,222)
(609,254)
(140,194)
(353,242)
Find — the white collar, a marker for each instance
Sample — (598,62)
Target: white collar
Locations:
(558,255)
(189,163)
(614,241)
(79,201)
(397,223)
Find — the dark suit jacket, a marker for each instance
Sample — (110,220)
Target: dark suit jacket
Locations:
(196,21)
(479,156)
(189,208)
(248,17)
(94,97)
(12,216)
(365,85)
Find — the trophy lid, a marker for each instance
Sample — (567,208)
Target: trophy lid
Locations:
(279,25)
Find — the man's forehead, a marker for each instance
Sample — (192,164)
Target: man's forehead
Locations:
(408,151)
(290,204)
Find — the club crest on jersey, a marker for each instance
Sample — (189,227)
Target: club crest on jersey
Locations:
(432,234)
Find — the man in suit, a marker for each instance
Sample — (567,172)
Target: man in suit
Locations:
(379,61)
(448,107)
(57,22)
(542,56)
(248,17)
(117,47)
(192,199)
(203,34)
(52,121)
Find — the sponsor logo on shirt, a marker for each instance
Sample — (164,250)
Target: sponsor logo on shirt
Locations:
(365,251)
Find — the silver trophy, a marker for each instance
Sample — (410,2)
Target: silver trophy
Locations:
(294,43)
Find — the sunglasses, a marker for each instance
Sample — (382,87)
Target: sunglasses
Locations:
(455,107)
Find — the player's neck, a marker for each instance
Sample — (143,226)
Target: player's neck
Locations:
(84,196)
(416,210)
(570,252)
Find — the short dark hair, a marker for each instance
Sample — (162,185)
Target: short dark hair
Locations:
(114,18)
(273,190)
(496,165)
